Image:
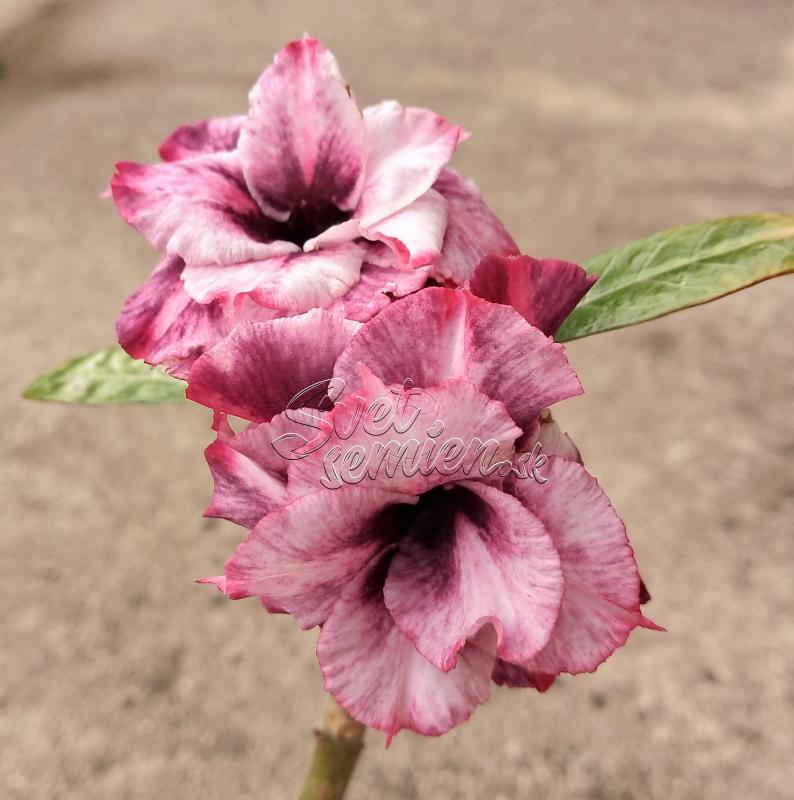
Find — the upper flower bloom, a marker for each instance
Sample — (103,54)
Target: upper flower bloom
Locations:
(430,573)
(305,202)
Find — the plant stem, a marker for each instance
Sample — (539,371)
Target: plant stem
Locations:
(339,740)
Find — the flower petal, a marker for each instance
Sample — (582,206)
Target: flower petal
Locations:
(551,440)
(162,325)
(376,287)
(216,135)
(407,439)
(249,472)
(438,334)
(304,138)
(295,282)
(474,556)
(506,673)
(416,232)
(408,147)
(473,230)
(199,209)
(377,675)
(601,604)
(543,292)
(301,557)
(258,369)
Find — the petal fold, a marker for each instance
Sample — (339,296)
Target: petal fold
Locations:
(601,605)
(416,232)
(473,230)
(294,282)
(249,469)
(216,135)
(474,556)
(407,149)
(377,675)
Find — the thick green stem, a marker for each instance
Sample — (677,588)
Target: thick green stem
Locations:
(339,740)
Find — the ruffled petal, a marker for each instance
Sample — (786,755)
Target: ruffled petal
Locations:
(258,369)
(249,469)
(199,209)
(162,325)
(416,232)
(301,557)
(439,334)
(377,675)
(295,282)
(217,135)
(473,230)
(151,309)
(407,439)
(408,148)
(376,287)
(543,292)
(474,556)
(303,141)
(601,604)
(506,673)
(544,436)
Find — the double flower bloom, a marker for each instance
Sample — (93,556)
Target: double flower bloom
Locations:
(311,241)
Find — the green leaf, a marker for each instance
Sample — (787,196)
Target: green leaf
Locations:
(107,376)
(679,268)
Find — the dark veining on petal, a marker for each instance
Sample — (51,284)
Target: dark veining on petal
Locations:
(431,524)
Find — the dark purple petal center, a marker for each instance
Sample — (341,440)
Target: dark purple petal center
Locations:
(309,219)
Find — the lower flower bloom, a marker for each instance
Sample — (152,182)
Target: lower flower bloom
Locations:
(399,522)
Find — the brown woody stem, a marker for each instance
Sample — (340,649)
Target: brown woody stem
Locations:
(339,740)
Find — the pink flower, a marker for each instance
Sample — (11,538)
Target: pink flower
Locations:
(430,575)
(308,202)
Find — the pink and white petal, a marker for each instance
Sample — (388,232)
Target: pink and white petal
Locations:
(377,675)
(257,371)
(216,135)
(407,149)
(438,334)
(344,232)
(473,230)
(151,308)
(295,282)
(416,232)
(553,441)
(301,557)
(407,439)
(378,254)
(249,469)
(377,287)
(473,557)
(600,605)
(515,676)
(199,209)
(304,137)
(543,292)
(162,325)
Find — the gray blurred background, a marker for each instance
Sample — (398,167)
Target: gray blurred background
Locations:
(593,123)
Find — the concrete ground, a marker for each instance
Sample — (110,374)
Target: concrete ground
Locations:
(593,123)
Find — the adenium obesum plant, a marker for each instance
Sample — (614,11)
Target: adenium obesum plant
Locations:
(380,362)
